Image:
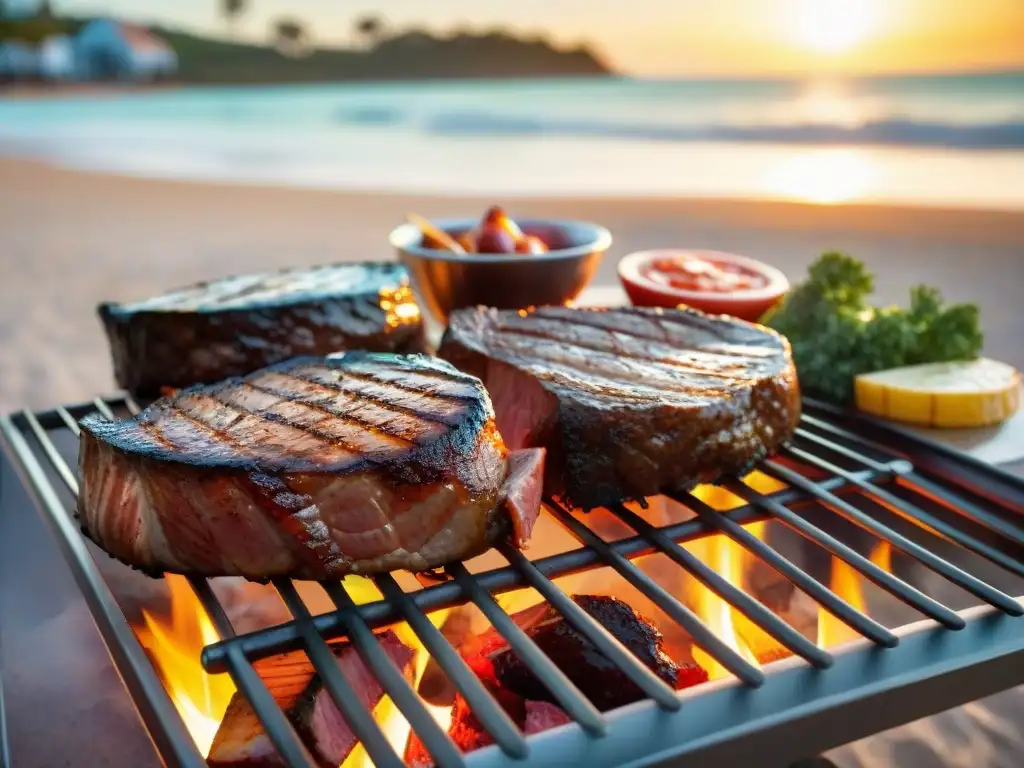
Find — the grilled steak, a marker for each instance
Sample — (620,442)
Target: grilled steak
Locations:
(596,677)
(314,468)
(241,742)
(230,327)
(630,402)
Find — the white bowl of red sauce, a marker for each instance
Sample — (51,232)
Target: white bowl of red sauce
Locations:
(712,281)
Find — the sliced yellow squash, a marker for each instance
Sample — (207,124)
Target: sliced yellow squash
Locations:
(977,393)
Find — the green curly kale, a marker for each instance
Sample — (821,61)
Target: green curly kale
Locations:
(837,335)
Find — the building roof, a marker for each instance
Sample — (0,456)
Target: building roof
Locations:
(141,38)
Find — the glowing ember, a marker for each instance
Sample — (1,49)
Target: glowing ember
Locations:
(174,646)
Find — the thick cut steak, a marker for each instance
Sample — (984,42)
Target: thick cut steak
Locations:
(234,326)
(630,402)
(359,462)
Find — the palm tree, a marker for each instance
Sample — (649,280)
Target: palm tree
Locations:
(232,10)
(290,36)
(370,29)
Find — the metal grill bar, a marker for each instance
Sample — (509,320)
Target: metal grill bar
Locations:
(906,475)
(491,715)
(587,626)
(801,711)
(997,524)
(345,698)
(946,569)
(779,630)
(280,732)
(865,567)
(828,600)
(561,687)
(914,512)
(437,742)
(941,461)
(695,732)
(702,637)
(285,637)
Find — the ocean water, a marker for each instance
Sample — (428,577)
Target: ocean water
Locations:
(925,140)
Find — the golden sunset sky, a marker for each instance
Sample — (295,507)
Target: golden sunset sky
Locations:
(669,37)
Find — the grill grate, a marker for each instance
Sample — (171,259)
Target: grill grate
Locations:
(852,469)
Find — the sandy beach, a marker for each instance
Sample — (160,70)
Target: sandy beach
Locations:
(69,240)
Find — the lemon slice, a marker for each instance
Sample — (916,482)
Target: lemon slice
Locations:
(976,393)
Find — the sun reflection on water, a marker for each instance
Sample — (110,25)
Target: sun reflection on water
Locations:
(825,176)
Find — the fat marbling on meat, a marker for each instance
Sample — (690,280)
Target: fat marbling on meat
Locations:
(314,468)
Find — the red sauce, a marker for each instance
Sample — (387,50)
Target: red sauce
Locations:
(696,273)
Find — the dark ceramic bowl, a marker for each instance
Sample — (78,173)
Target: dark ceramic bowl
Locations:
(444,281)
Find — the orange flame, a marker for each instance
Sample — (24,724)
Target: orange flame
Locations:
(726,557)
(846,582)
(387,715)
(732,562)
(174,645)
(882,556)
(395,727)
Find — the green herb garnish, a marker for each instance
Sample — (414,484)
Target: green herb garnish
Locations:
(837,335)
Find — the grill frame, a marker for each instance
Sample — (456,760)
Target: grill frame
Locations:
(981,649)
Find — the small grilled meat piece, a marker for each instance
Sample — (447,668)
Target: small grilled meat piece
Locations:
(543,716)
(527,700)
(241,742)
(314,468)
(630,402)
(234,326)
(468,734)
(596,677)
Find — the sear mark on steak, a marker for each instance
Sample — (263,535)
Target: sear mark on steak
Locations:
(314,468)
(230,327)
(597,678)
(630,402)
(241,742)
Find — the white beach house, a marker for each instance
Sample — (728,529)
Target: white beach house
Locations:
(57,60)
(112,50)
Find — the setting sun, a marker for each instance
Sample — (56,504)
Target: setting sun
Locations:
(833,26)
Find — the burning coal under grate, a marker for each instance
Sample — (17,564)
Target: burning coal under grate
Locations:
(795,592)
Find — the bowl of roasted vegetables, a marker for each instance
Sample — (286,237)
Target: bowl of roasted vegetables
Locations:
(498,261)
